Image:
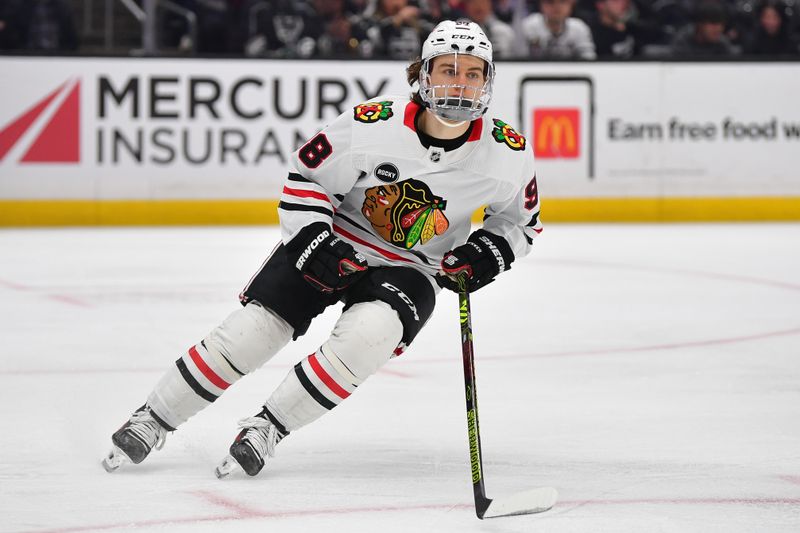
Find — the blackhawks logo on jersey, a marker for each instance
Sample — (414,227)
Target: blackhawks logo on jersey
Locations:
(373,111)
(502,132)
(405,213)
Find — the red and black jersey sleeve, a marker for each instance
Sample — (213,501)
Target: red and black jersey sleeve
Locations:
(516,216)
(321,173)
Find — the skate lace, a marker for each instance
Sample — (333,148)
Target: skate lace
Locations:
(262,435)
(145,426)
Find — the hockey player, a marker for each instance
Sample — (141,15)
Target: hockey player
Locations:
(375,213)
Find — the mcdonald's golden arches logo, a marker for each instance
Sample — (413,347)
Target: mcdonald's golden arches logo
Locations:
(557,133)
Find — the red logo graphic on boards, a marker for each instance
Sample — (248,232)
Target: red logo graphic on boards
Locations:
(557,133)
(59,140)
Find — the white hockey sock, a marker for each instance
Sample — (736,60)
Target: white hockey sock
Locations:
(243,342)
(363,340)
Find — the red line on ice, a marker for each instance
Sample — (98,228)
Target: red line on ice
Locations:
(395,373)
(628,349)
(246,513)
(680,271)
(216,499)
(63,298)
(656,347)
(425,360)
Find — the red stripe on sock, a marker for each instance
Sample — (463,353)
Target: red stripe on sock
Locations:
(326,378)
(206,370)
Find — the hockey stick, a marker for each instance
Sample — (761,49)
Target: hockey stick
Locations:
(528,502)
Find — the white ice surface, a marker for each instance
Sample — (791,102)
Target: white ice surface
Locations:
(651,373)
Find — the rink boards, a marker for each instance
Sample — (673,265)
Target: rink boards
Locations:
(120,141)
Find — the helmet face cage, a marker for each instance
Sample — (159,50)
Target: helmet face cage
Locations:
(461,37)
(467,103)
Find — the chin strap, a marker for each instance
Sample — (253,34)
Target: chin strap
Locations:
(448,123)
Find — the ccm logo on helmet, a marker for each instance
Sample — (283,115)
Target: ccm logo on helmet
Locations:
(310,248)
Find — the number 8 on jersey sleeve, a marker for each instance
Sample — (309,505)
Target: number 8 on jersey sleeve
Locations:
(315,151)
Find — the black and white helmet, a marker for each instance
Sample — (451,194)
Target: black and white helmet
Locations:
(456,37)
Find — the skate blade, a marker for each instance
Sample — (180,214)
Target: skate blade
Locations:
(114,459)
(227,466)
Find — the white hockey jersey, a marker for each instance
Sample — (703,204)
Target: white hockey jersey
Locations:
(400,203)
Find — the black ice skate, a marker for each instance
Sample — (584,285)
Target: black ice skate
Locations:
(135,439)
(252,446)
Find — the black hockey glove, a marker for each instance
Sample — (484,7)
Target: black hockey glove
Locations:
(483,257)
(326,262)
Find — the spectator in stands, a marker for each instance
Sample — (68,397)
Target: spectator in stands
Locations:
(435,11)
(502,36)
(281,29)
(337,32)
(671,16)
(554,34)
(772,34)
(507,10)
(356,7)
(706,36)
(583,9)
(616,31)
(40,25)
(8,39)
(397,29)
(215,18)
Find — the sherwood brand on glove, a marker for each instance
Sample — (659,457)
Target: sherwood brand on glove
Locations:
(483,257)
(327,262)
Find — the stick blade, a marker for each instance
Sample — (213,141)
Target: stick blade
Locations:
(528,502)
